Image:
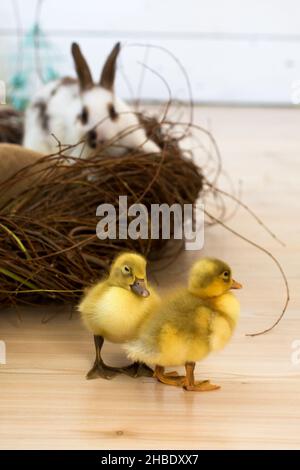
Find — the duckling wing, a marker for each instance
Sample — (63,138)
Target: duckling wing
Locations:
(142,350)
(179,326)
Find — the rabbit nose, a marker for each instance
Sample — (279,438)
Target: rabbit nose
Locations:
(92,138)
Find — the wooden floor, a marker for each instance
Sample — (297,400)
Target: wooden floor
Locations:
(46,402)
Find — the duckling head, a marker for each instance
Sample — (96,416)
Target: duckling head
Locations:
(129,272)
(210,277)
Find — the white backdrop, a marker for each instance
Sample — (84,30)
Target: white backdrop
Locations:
(233,51)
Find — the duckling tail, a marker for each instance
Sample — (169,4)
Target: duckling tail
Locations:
(138,351)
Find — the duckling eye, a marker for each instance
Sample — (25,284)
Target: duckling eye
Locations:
(226,275)
(126,270)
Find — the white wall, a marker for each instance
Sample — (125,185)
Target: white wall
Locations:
(233,51)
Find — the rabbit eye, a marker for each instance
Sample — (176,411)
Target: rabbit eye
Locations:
(84,116)
(112,112)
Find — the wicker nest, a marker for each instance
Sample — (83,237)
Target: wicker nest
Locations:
(48,244)
(11,125)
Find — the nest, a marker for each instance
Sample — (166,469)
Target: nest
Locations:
(11,125)
(49,249)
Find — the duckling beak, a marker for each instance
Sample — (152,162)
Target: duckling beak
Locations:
(139,287)
(236,285)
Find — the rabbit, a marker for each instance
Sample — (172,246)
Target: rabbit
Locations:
(68,111)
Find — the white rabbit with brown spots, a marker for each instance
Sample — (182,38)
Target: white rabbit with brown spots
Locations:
(78,110)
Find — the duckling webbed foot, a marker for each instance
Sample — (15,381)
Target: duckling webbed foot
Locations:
(204,386)
(137,369)
(168,378)
(100,369)
(196,386)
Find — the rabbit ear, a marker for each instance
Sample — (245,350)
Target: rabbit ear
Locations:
(82,68)
(109,69)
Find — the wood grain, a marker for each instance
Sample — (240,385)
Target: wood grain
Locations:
(46,402)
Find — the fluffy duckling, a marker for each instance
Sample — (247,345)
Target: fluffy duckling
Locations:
(189,324)
(114,308)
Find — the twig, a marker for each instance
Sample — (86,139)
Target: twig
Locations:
(268,253)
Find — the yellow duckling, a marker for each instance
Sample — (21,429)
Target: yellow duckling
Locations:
(189,324)
(114,308)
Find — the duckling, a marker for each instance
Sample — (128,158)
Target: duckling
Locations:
(189,324)
(114,308)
